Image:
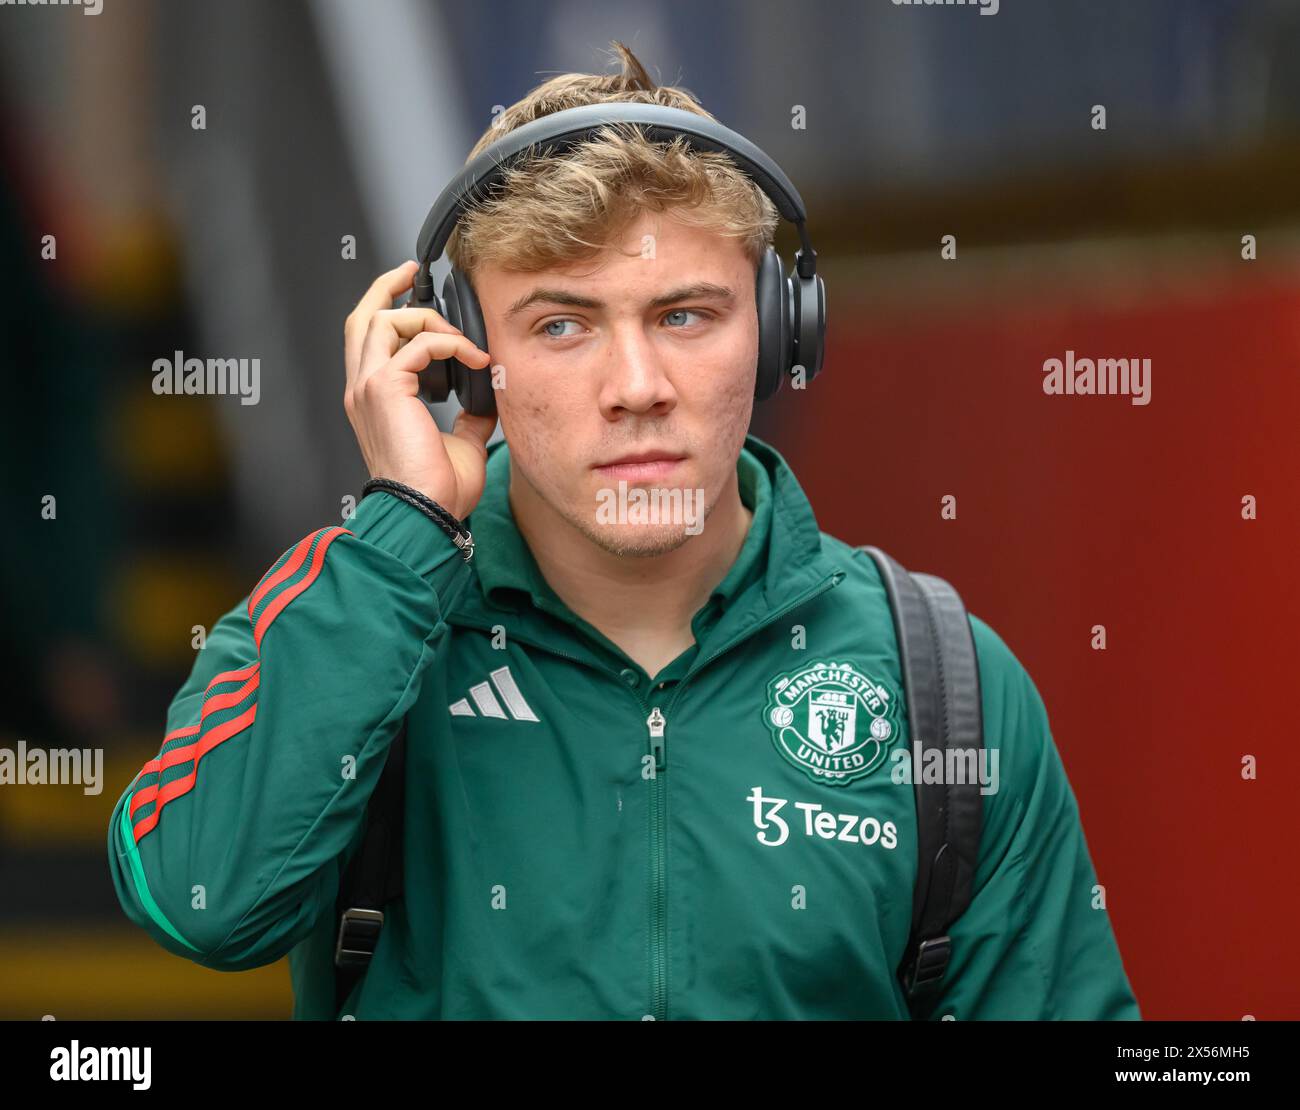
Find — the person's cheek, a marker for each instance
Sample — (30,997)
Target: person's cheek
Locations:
(534,423)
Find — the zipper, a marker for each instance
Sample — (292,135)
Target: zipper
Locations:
(657,748)
(656,724)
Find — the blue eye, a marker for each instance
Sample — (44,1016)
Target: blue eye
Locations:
(679,312)
(546,328)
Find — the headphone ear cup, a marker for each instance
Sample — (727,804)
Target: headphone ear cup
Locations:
(473,386)
(772,293)
(435,378)
(809,324)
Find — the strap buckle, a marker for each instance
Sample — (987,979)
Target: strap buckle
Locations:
(358,935)
(931,962)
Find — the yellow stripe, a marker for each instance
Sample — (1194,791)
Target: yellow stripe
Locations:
(121,973)
(153,599)
(45,815)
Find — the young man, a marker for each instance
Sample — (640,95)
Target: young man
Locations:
(602,818)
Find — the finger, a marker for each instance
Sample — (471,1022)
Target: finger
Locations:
(426,347)
(379,296)
(410,320)
(389,329)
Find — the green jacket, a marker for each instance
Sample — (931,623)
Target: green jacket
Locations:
(754,860)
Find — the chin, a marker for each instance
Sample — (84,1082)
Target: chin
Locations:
(637,541)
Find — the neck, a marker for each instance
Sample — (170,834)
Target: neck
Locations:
(644,604)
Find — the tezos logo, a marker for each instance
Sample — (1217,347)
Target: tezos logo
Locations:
(773,830)
(815,723)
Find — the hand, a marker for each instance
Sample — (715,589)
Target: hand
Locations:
(384,351)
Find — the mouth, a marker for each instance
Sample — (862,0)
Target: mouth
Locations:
(640,465)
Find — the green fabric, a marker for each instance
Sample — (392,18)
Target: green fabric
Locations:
(564,861)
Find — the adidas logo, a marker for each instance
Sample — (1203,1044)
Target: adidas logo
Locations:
(487,703)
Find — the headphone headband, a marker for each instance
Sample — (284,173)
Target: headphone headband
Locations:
(564,130)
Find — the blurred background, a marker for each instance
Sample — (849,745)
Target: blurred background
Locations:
(330,119)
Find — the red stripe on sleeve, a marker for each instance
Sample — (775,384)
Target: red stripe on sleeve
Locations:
(278,605)
(185,752)
(251,676)
(177,787)
(289,569)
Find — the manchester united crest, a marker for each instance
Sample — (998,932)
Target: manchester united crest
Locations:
(831,720)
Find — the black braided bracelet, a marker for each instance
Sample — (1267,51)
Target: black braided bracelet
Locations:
(459,534)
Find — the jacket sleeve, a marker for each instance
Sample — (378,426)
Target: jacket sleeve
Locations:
(1036,942)
(228,845)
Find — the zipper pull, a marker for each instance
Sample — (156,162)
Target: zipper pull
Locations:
(656,722)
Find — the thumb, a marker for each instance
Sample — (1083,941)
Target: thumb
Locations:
(474,429)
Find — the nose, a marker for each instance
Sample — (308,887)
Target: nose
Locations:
(634,377)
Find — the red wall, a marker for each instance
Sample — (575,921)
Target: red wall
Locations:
(1075,511)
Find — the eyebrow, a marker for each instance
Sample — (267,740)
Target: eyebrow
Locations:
(700,290)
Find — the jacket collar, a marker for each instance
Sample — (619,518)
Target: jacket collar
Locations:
(782,555)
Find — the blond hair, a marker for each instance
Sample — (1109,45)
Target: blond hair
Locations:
(553,210)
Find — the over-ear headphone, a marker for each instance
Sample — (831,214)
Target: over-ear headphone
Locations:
(791,309)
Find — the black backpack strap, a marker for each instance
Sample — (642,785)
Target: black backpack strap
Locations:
(941,681)
(373,877)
